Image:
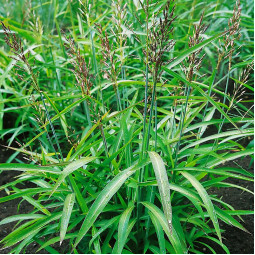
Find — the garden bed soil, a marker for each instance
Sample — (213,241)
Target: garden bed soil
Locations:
(238,241)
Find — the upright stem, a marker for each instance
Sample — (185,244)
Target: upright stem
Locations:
(118,96)
(209,94)
(52,127)
(36,86)
(221,116)
(151,190)
(151,110)
(156,124)
(181,129)
(140,177)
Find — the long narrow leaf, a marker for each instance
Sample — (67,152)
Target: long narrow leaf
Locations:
(195,86)
(187,52)
(163,185)
(122,229)
(206,199)
(159,232)
(104,197)
(178,244)
(67,211)
(27,167)
(70,168)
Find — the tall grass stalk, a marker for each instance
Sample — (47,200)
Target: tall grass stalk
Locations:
(144,137)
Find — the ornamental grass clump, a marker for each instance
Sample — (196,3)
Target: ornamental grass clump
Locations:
(126,126)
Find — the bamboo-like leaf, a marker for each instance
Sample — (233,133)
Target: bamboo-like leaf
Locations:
(225,184)
(206,199)
(66,110)
(96,241)
(218,171)
(24,233)
(182,190)
(187,52)
(22,244)
(67,211)
(245,132)
(36,204)
(102,229)
(216,121)
(122,229)
(27,167)
(70,168)
(55,239)
(79,196)
(21,217)
(31,191)
(159,232)
(129,228)
(163,185)
(195,86)
(208,117)
(106,194)
(229,219)
(230,156)
(225,248)
(178,244)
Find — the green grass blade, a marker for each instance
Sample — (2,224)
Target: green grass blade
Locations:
(104,197)
(27,168)
(67,211)
(195,86)
(102,229)
(178,245)
(21,217)
(122,229)
(71,168)
(229,219)
(187,52)
(206,199)
(160,233)
(163,185)
(31,230)
(46,245)
(78,195)
(31,191)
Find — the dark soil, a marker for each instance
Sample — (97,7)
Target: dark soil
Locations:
(238,241)
(10,208)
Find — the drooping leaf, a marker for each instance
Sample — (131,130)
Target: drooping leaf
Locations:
(195,86)
(207,201)
(163,185)
(102,229)
(178,244)
(122,229)
(21,217)
(70,168)
(19,235)
(187,52)
(67,211)
(27,168)
(104,197)
(159,232)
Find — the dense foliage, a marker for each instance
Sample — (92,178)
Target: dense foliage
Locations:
(125,113)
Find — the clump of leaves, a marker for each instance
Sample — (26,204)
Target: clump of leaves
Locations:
(135,181)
